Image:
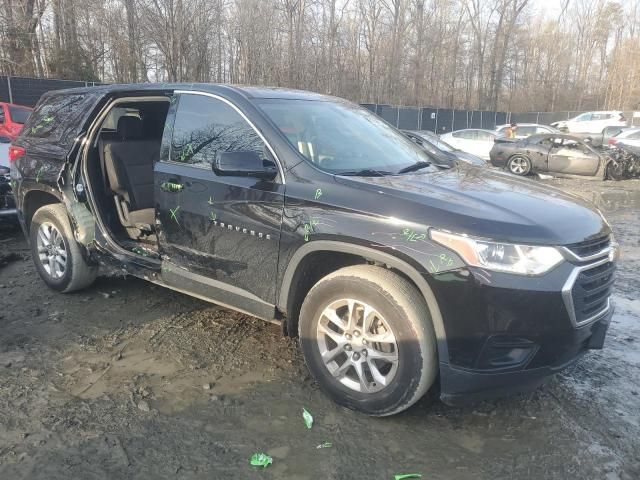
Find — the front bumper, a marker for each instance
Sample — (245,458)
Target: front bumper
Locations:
(460,386)
(507,333)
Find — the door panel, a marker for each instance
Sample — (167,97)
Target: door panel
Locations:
(575,161)
(220,229)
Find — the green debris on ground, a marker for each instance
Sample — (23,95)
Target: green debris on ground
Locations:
(325,445)
(407,475)
(308,419)
(261,460)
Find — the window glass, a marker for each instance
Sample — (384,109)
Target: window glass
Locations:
(205,126)
(525,131)
(484,136)
(19,114)
(56,118)
(585,117)
(340,137)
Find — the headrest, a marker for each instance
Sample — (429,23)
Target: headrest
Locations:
(129,128)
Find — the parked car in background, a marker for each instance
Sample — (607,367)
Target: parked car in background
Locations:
(435,146)
(7,203)
(525,130)
(476,141)
(608,133)
(592,122)
(554,153)
(12,119)
(629,136)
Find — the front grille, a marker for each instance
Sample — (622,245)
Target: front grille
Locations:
(590,247)
(591,291)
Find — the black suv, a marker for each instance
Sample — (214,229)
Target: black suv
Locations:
(312,212)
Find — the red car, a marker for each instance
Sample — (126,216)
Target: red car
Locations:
(12,119)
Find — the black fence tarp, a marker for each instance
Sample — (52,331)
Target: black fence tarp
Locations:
(27,91)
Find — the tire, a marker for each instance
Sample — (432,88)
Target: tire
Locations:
(615,171)
(71,271)
(519,165)
(401,309)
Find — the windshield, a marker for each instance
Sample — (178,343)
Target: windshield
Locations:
(341,137)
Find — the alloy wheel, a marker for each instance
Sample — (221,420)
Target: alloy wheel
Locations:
(518,165)
(52,252)
(357,346)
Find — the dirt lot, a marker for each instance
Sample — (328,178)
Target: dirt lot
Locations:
(129,380)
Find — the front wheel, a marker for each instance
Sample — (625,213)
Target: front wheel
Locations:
(615,170)
(56,253)
(519,165)
(367,338)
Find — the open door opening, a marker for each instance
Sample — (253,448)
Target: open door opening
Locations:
(119,166)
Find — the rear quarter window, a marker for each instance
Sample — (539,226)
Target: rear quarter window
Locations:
(58,118)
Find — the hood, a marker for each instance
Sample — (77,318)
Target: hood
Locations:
(485,203)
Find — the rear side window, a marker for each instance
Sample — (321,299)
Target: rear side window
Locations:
(19,114)
(205,126)
(59,118)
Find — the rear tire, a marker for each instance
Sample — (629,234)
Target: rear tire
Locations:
(56,254)
(380,363)
(519,165)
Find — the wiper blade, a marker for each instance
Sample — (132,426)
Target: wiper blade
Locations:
(414,167)
(365,172)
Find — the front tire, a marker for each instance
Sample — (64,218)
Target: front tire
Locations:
(56,254)
(367,338)
(519,165)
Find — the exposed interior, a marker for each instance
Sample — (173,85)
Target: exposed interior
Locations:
(120,165)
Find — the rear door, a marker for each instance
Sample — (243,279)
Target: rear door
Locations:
(573,157)
(219,234)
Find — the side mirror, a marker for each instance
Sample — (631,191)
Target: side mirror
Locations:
(243,164)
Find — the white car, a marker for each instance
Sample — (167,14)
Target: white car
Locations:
(627,137)
(525,130)
(592,122)
(476,141)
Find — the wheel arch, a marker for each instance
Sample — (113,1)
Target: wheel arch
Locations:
(287,294)
(35,199)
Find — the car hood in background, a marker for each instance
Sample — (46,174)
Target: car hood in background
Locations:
(485,203)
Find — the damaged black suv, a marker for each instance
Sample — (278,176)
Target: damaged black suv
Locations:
(311,212)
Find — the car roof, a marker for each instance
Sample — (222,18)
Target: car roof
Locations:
(628,131)
(245,90)
(519,124)
(540,136)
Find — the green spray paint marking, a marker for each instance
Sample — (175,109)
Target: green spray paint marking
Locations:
(213,216)
(411,236)
(308,228)
(39,174)
(444,260)
(186,153)
(174,213)
(210,202)
(318,193)
(171,187)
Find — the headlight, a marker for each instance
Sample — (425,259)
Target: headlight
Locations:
(501,257)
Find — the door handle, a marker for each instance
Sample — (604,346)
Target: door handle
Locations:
(171,186)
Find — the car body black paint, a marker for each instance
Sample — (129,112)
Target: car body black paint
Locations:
(476,312)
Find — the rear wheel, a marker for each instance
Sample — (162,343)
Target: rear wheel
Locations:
(56,254)
(368,340)
(519,165)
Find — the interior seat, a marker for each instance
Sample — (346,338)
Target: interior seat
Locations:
(129,161)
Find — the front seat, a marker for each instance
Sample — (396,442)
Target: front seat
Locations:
(129,161)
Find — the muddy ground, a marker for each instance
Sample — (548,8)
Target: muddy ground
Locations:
(129,380)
